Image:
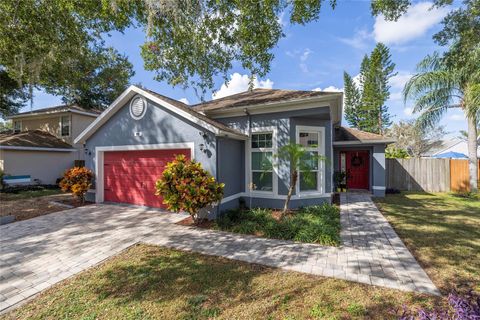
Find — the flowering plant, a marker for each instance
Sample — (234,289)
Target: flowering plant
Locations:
(466,307)
(186,186)
(77,180)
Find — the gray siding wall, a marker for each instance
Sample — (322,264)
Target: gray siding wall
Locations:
(159,125)
(286,123)
(231,165)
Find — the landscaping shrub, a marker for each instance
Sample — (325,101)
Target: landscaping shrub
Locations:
(459,307)
(77,180)
(315,224)
(186,186)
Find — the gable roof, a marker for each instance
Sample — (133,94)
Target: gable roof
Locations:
(33,140)
(349,136)
(175,106)
(194,113)
(74,108)
(257,97)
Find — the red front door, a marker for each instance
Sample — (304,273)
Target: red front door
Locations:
(357,165)
(130,176)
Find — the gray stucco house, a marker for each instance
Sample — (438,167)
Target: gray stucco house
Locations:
(130,142)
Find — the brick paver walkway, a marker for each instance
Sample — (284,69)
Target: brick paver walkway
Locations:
(37,253)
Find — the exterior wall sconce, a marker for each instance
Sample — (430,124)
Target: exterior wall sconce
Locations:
(202,147)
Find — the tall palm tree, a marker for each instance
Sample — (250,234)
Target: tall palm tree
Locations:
(439,86)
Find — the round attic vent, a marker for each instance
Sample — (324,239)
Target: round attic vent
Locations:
(138,106)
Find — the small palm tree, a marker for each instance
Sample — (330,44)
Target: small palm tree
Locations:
(438,87)
(300,159)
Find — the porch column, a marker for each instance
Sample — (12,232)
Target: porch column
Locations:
(378,187)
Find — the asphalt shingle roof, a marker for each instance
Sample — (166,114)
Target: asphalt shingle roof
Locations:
(256,97)
(33,138)
(350,134)
(57,109)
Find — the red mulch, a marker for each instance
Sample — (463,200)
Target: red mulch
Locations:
(204,224)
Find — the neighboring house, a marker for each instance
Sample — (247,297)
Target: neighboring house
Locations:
(129,144)
(454,145)
(41,146)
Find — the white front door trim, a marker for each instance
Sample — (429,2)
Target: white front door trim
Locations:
(99,159)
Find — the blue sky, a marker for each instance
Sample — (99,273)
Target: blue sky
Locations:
(313,57)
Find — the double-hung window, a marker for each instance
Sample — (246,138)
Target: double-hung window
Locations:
(262,161)
(311,171)
(65,126)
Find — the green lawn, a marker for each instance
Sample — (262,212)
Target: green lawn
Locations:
(443,233)
(150,282)
(28,194)
(315,224)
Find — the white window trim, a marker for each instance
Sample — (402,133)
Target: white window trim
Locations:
(99,159)
(248,162)
(321,165)
(69,126)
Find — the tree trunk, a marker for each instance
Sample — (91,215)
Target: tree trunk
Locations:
(293,183)
(472,153)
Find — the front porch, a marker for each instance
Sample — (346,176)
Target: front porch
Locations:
(361,156)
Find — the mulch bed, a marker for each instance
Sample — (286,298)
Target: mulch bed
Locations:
(24,209)
(188,222)
(208,224)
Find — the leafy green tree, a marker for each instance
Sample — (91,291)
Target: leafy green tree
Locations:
(43,42)
(391,152)
(352,98)
(12,96)
(188,42)
(439,86)
(414,139)
(365,106)
(300,160)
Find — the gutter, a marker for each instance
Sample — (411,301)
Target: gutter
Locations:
(36,149)
(360,142)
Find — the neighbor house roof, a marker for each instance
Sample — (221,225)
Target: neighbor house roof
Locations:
(33,140)
(58,109)
(257,97)
(350,136)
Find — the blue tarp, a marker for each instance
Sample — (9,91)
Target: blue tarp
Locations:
(451,154)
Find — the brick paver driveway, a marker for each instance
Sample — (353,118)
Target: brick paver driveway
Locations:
(37,253)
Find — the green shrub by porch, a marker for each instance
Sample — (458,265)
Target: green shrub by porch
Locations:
(315,224)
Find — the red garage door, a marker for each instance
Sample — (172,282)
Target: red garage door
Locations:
(130,176)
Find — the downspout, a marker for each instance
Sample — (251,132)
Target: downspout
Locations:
(217,174)
(249,132)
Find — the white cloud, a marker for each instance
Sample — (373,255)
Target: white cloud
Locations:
(457,117)
(329,89)
(399,81)
(184,100)
(302,56)
(413,24)
(408,111)
(359,40)
(303,59)
(240,83)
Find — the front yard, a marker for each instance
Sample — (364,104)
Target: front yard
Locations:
(150,282)
(443,233)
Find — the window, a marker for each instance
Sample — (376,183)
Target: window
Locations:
(311,172)
(65,126)
(17,126)
(261,161)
